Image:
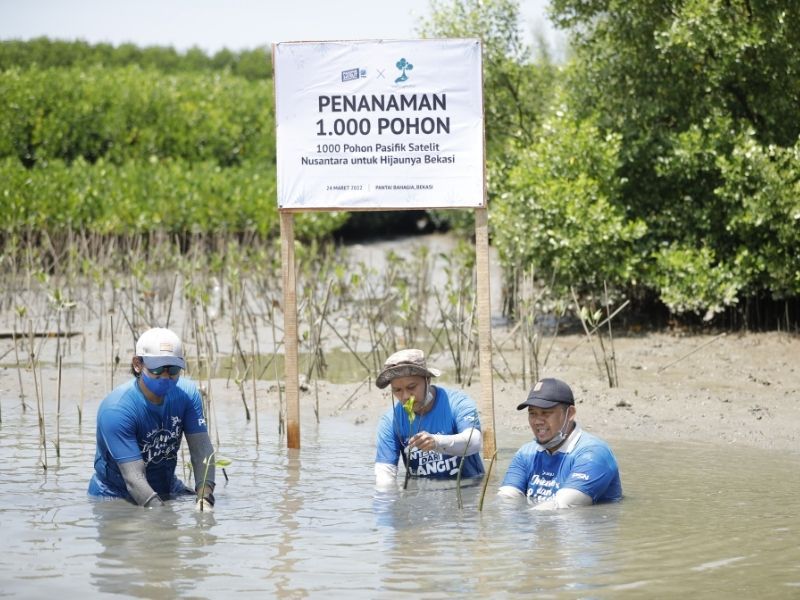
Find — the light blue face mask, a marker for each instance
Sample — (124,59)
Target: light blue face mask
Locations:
(557,438)
(159,386)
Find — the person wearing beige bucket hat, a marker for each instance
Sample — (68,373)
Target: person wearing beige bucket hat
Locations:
(432,428)
(564,466)
(140,425)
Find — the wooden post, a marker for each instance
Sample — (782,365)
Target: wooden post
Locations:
(486,402)
(290,331)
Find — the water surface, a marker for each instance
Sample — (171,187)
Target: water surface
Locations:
(696,519)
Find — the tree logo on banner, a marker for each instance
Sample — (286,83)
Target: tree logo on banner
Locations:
(404,66)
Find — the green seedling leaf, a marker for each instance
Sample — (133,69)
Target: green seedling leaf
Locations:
(223,462)
(409,408)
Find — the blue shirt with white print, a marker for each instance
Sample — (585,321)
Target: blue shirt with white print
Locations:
(129,427)
(453,412)
(584,463)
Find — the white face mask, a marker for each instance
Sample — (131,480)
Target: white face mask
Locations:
(559,437)
(428,393)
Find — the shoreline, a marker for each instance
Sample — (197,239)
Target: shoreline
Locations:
(736,389)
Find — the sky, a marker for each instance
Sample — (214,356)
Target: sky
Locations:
(233,24)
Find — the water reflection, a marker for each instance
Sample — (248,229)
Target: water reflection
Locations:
(290,504)
(151,553)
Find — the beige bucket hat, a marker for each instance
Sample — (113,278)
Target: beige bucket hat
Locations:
(405,363)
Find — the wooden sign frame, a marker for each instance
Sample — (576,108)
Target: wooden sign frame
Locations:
(355,202)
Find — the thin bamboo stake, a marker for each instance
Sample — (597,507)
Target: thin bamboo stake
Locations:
(484,330)
(58,411)
(40,411)
(255,395)
(83,380)
(19,372)
(290,331)
(111,354)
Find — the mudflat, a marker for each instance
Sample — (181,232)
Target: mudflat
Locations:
(741,389)
(735,388)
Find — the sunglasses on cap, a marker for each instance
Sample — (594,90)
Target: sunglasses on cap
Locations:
(171,369)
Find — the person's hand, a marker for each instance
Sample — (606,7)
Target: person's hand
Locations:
(422,441)
(206,503)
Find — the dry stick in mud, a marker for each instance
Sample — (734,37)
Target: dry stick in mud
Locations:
(461,468)
(347,345)
(611,337)
(40,411)
(240,380)
(316,334)
(714,339)
(316,400)
(560,312)
(367,380)
(255,395)
(455,346)
(110,354)
(212,406)
(58,411)
(375,340)
(171,300)
(499,351)
(251,317)
(202,343)
(19,372)
(83,380)
(486,480)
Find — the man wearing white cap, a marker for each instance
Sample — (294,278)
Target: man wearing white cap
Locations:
(433,428)
(565,466)
(140,425)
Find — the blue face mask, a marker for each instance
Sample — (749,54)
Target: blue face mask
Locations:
(160,386)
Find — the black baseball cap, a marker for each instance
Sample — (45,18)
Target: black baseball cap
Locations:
(546,393)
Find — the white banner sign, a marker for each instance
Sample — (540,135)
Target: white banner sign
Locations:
(379,124)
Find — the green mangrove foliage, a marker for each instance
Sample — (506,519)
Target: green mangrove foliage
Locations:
(175,196)
(255,64)
(662,159)
(704,97)
(680,182)
(121,114)
(559,211)
(123,149)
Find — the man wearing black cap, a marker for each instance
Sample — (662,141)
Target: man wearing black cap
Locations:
(565,466)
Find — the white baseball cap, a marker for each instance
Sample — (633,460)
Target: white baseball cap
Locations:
(159,347)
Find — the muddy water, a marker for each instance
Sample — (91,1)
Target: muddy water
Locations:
(710,521)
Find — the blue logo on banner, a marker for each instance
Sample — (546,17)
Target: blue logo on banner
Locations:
(353,74)
(404,66)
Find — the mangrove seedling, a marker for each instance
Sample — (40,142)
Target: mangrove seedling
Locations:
(408,406)
(221,463)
